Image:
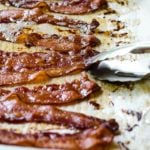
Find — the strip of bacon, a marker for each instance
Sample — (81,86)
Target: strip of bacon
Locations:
(15,111)
(37,16)
(54,93)
(65,6)
(19,68)
(88,139)
(54,42)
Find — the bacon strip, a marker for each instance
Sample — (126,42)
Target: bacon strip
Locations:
(88,139)
(19,68)
(37,16)
(65,6)
(55,42)
(54,93)
(13,110)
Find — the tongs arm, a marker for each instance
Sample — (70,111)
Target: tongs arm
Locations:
(139,47)
(113,70)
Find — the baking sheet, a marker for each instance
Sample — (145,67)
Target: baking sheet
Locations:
(116,101)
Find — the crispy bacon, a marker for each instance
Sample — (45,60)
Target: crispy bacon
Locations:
(13,110)
(65,6)
(88,139)
(19,68)
(55,42)
(54,93)
(37,16)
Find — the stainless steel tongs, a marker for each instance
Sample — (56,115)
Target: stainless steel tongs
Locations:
(112,66)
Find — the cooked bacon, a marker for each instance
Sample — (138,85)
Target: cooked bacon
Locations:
(37,16)
(19,68)
(65,6)
(88,139)
(55,42)
(13,110)
(54,93)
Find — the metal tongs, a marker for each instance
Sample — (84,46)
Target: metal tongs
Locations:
(107,66)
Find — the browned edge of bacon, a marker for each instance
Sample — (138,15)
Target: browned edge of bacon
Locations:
(53,93)
(75,7)
(88,139)
(54,42)
(22,68)
(36,15)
